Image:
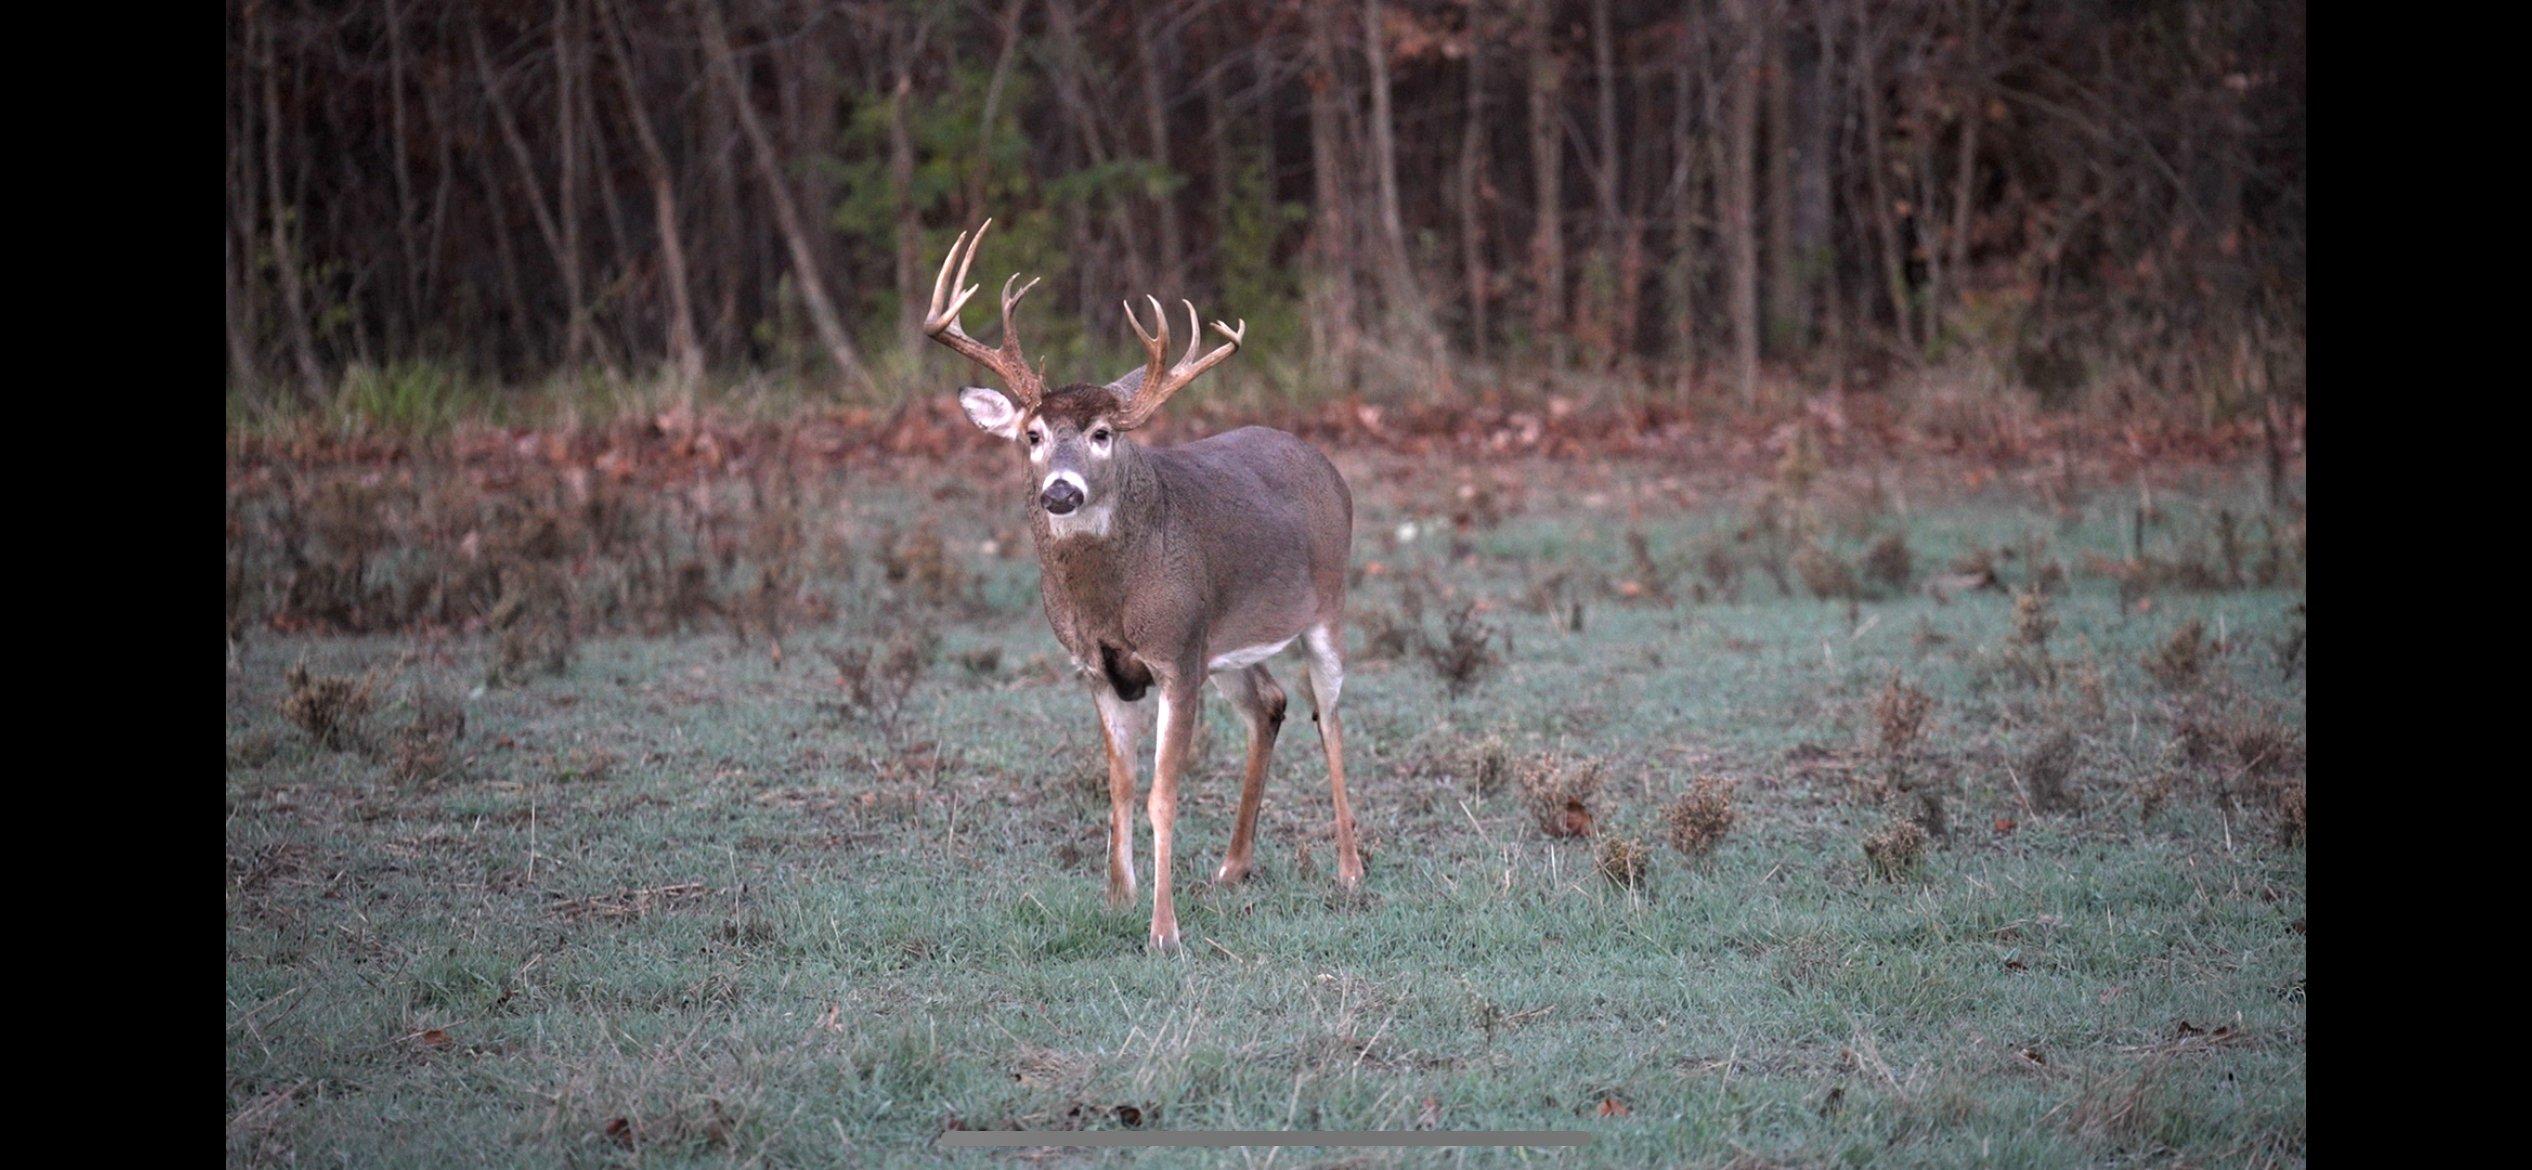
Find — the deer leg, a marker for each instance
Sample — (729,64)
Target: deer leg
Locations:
(1181,700)
(1121,732)
(1327,682)
(1261,705)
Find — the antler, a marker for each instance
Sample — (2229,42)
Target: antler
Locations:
(1160,381)
(941,324)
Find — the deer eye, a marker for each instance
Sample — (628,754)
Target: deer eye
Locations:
(1036,437)
(1099,436)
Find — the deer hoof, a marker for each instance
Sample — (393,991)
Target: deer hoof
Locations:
(1231,874)
(1350,877)
(1165,941)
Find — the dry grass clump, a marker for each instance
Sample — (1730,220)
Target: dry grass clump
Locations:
(2155,791)
(1484,504)
(2289,798)
(984,662)
(1900,710)
(2290,646)
(1970,572)
(330,708)
(1895,850)
(1719,567)
(2121,1105)
(875,682)
(531,623)
(1558,792)
(919,565)
(1489,763)
(2032,625)
(1465,654)
(2046,773)
(1624,861)
(1888,564)
(1387,634)
(1650,578)
(1932,816)
(425,747)
(1826,574)
(2238,744)
(1701,817)
(2182,658)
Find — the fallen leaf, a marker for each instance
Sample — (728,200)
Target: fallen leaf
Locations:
(433,1038)
(1612,1107)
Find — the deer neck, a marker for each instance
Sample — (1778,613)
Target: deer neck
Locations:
(1091,572)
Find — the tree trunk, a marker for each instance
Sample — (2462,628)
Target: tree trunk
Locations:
(294,296)
(911,303)
(567,200)
(1408,310)
(400,135)
(239,243)
(980,170)
(1618,237)
(1334,335)
(1684,198)
(1470,198)
(1894,263)
(1965,190)
(1740,191)
(525,161)
(1173,249)
(1788,310)
(685,352)
(795,233)
(1071,74)
(1815,187)
(1547,174)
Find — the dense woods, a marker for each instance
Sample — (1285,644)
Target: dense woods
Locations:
(2093,200)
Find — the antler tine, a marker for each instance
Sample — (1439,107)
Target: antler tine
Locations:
(945,309)
(969,260)
(941,324)
(1010,301)
(1195,334)
(1159,382)
(1155,345)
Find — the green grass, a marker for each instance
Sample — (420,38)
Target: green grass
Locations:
(859,941)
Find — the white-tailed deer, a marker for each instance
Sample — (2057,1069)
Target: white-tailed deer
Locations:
(1165,566)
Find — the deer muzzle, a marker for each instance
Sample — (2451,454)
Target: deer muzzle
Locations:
(1060,497)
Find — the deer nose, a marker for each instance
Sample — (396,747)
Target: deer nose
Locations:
(1060,498)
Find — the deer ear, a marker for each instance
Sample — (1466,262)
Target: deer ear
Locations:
(992,412)
(1124,388)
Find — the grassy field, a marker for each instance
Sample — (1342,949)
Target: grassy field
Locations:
(682,903)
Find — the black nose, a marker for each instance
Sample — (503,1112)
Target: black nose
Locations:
(1060,498)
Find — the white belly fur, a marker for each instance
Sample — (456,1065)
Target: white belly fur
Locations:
(1247,656)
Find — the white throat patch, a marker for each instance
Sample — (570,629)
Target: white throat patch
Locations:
(1091,521)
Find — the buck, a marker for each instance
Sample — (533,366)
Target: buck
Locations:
(1162,567)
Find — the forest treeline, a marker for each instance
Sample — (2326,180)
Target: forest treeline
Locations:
(1401,198)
